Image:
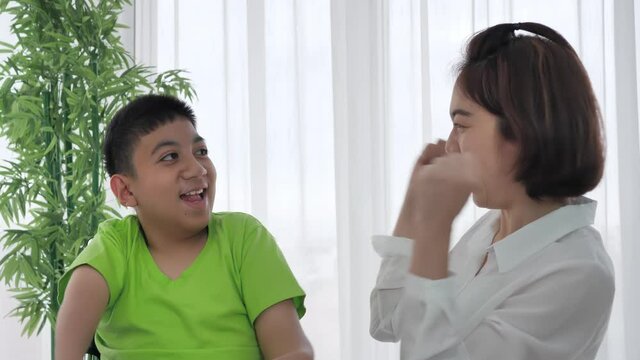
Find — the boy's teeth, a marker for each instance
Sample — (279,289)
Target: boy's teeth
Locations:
(194,192)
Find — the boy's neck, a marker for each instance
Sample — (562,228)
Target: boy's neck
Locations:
(163,239)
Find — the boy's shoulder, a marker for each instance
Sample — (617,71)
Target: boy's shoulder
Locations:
(126,223)
(238,228)
(235,220)
(119,230)
(119,223)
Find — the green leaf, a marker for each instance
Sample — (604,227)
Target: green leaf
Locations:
(7,45)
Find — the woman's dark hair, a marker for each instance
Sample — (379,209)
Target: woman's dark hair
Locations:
(539,90)
(138,118)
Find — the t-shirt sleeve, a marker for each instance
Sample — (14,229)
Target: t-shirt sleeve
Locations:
(105,254)
(264,273)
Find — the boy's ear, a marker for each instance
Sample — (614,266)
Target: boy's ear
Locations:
(120,188)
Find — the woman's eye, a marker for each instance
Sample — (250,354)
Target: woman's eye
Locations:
(202,152)
(169,157)
(459,126)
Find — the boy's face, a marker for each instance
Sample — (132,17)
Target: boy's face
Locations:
(174,186)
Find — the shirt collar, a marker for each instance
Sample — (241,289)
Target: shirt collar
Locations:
(533,237)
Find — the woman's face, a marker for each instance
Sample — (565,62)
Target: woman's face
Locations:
(475,131)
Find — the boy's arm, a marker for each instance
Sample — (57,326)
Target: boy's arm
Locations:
(280,334)
(85,299)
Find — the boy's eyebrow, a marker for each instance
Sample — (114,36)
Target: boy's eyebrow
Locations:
(164,143)
(459,112)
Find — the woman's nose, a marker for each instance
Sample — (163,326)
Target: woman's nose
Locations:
(452,145)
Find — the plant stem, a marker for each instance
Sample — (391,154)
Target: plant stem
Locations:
(95,121)
(67,145)
(53,343)
(49,158)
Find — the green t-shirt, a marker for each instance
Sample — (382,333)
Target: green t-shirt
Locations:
(206,313)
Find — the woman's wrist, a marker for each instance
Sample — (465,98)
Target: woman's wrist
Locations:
(430,257)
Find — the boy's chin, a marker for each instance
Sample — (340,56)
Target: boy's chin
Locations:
(196,218)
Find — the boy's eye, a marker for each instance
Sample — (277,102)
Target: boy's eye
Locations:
(169,157)
(202,152)
(459,126)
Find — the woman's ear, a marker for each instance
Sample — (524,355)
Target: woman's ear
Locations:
(120,187)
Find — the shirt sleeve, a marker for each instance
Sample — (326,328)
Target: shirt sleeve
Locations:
(265,276)
(104,253)
(555,315)
(417,311)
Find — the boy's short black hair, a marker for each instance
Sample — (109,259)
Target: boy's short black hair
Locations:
(138,118)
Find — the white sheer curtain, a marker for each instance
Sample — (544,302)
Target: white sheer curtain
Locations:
(314,111)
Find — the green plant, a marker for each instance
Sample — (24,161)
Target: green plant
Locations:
(61,82)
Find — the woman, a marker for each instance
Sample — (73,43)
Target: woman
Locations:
(531,279)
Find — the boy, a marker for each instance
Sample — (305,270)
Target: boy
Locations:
(176,281)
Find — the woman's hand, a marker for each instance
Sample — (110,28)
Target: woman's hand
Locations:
(439,187)
(442,187)
(405,226)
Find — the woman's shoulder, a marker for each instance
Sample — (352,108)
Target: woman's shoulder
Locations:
(579,255)
(584,245)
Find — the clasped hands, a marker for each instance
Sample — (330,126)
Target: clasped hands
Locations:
(439,187)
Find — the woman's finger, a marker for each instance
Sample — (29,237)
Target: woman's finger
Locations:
(431,152)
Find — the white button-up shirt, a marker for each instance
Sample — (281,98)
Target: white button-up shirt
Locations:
(544,293)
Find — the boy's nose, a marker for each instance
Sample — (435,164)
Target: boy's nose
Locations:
(194,169)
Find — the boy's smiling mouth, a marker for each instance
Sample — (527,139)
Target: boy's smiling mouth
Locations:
(194,196)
